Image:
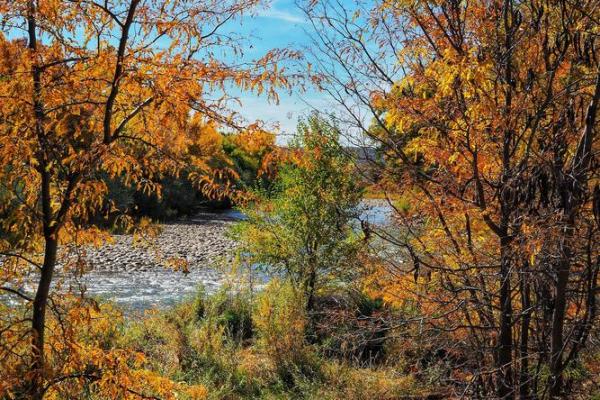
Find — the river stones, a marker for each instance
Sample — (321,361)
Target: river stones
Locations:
(198,242)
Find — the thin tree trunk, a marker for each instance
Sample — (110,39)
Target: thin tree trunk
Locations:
(505,360)
(558,319)
(505,384)
(39,319)
(310,291)
(36,386)
(524,377)
(575,185)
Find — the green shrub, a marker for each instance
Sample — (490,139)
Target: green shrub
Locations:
(303,227)
(158,340)
(229,309)
(281,321)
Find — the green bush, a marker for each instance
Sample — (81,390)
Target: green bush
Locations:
(281,321)
(302,227)
(229,309)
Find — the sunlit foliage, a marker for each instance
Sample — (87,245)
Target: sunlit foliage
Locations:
(93,91)
(302,227)
(486,115)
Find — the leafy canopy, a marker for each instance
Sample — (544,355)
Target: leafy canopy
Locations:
(302,226)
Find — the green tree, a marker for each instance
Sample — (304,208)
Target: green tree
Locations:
(302,227)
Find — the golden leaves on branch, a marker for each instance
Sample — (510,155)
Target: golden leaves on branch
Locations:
(98,91)
(83,357)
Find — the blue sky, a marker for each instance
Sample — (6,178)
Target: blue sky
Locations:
(280,25)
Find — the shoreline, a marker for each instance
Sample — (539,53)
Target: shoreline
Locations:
(137,277)
(199,240)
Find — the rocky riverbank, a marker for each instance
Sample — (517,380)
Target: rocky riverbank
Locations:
(199,241)
(136,276)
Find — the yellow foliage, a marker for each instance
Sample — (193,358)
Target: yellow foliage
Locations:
(115,90)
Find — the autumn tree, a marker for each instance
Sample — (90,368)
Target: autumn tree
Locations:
(487,115)
(93,89)
(249,150)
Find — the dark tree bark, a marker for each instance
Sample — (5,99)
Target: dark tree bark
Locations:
(573,188)
(39,318)
(310,291)
(505,341)
(524,377)
(36,384)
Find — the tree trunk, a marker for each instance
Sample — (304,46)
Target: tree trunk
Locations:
(505,360)
(310,291)
(36,390)
(574,186)
(524,391)
(558,318)
(505,384)
(38,321)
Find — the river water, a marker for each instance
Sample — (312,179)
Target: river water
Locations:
(132,278)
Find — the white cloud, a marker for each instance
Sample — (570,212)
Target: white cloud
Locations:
(282,15)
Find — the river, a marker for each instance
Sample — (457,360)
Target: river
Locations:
(135,278)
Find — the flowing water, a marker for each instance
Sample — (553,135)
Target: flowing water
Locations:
(136,279)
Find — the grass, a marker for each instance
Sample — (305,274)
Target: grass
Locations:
(243,349)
